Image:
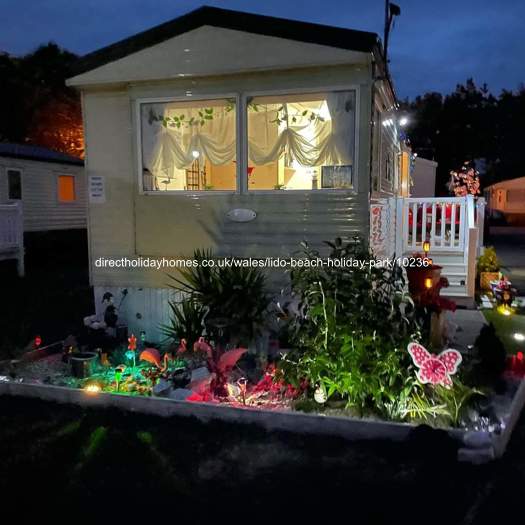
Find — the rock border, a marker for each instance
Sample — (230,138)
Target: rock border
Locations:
(475,446)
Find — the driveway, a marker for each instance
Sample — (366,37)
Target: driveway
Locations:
(509,242)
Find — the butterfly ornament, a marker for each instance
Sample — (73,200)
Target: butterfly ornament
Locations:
(435,369)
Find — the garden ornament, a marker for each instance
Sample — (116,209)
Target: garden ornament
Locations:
(434,369)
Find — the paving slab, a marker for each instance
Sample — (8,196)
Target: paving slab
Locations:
(465,327)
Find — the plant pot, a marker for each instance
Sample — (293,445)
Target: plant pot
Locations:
(418,276)
(82,364)
(485,278)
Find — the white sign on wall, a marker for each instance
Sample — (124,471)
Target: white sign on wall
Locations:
(97,189)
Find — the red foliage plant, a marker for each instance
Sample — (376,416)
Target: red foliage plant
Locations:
(220,364)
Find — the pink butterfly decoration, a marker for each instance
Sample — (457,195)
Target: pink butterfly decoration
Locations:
(434,369)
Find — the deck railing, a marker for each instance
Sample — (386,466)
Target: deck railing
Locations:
(443,221)
(12,234)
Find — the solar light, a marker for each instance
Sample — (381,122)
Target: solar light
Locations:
(519,337)
(428,283)
(92,388)
(426,247)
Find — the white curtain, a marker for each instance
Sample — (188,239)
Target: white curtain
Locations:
(310,142)
(326,141)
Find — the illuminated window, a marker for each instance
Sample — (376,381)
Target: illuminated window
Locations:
(14,184)
(301,142)
(66,188)
(189,146)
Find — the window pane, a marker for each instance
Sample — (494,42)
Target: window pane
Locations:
(66,188)
(14,183)
(189,146)
(301,142)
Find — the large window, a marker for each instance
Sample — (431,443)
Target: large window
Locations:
(188,146)
(294,142)
(14,184)
(301,142)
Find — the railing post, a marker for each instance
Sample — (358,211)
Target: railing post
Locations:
(400,226)
(20,239)
(471,262)
(480,222)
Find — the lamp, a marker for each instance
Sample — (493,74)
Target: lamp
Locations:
(428,283)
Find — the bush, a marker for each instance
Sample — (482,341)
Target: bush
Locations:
(232,296)
(351,335)
(488,262)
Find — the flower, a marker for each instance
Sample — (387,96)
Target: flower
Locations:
(132,343)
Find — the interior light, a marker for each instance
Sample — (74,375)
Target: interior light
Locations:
(195,154)
(323,112)
(519,337)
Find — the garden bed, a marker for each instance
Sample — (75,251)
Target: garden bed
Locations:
(40,379)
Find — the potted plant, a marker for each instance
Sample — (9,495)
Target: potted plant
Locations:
(488,267)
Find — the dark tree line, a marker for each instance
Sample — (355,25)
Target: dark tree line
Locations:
(36,106)
(470,124)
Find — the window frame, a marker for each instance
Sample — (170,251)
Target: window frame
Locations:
(20,172)
(241,132)
(59,200)
(185,98)
(247,95)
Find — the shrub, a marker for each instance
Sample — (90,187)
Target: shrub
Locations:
(234,296)
(351,335)
(186,321)
(489,262)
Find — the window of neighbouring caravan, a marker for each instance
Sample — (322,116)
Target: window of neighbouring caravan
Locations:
(301,142)
(66,188)
(14,184)
(188,145)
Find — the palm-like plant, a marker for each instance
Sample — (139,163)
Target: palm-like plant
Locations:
(234,294)
(186,321)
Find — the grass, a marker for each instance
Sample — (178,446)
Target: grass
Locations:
(101,460)
(506,327)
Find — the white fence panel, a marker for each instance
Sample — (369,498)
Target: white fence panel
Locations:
(441,221)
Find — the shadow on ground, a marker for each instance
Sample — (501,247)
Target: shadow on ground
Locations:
(98,463)
(53,297)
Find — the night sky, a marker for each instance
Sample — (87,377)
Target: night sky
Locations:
(435,43)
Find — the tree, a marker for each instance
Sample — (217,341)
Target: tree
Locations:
(468,124)
(38,107)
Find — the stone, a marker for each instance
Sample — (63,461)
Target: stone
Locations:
(180,394)
(162,388)
(478,440)
(199,374)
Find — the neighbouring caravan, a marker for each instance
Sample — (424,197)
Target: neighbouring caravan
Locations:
(50,186)
(423,178)
(42,202)
(506,201)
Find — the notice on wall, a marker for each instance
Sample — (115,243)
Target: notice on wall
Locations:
(97,189)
